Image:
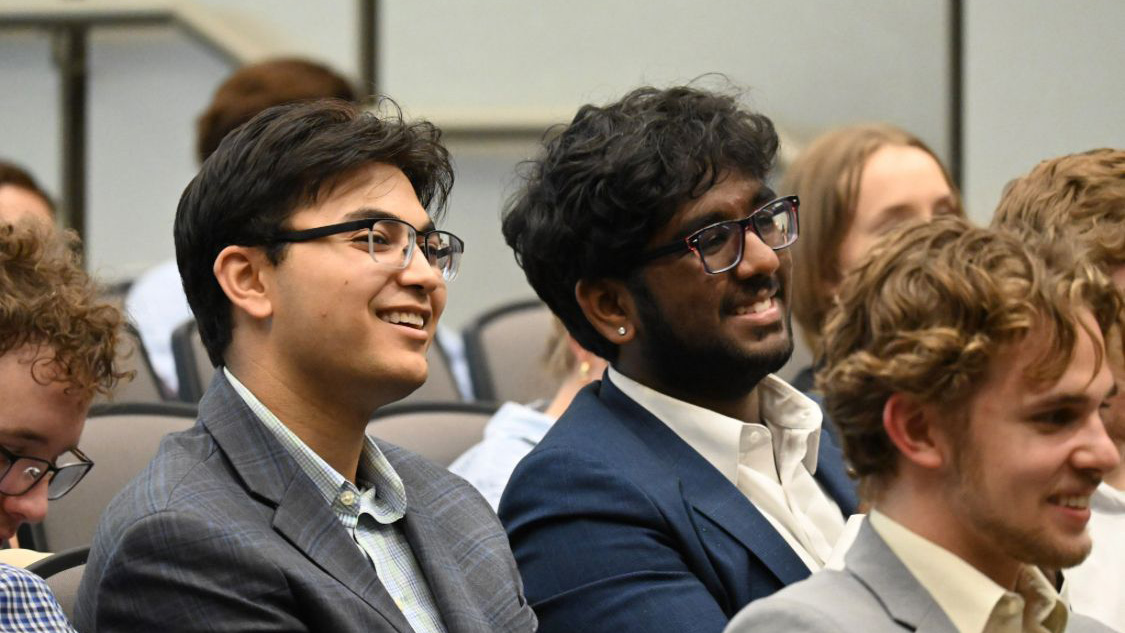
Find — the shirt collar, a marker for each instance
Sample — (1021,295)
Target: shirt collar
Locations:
(962,591)
(374,472)
(718,437)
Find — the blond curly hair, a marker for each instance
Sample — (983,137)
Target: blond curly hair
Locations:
(1084,193)
(48,301)
(929,309)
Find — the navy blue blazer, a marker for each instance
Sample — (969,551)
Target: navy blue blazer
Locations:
(618,525)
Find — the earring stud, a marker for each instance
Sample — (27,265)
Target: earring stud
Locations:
(621,331)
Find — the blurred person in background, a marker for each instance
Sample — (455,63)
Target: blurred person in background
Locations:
(57,349)
(855,184)
(516,428)
(22,198)
(1082,197)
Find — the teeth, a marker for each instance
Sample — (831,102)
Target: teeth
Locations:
(1076,502)
(755,308)
(413,319)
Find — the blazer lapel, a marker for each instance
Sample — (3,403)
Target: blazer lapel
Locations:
(301,515)
(706,490)
(459,611)
(907,602)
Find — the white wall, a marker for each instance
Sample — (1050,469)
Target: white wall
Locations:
(1042,78)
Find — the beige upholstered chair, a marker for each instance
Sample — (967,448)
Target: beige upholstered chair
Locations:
(505,348)
(438,431)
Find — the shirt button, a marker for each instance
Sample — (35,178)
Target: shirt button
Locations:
(755,437)
(1012,608)
(347,498)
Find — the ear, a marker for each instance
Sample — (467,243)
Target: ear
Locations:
(608,306)
(915,431)
(241,271)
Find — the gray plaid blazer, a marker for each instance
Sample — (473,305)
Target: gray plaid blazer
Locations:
(224,532)
(874,593)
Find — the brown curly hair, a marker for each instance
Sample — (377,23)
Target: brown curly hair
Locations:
(47,300)
(1085,192)
(929,309)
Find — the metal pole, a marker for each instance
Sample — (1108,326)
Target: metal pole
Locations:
(956,90)
(70,54)
(369,48)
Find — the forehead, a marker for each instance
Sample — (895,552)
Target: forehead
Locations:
(377,187)
(732,197)
(18,204)
(48,415)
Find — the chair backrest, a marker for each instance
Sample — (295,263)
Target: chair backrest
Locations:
(131,356)
(193,366)
(506,347)
(121,439)
(63,573)
(438,431)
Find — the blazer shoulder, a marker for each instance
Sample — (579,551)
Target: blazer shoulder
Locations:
(802,607)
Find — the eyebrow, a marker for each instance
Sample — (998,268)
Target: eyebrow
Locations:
(764,195)
(371,213)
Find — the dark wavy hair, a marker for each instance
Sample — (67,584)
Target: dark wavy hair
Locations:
(48,300)
(284,158)
(608,181)
(16,176)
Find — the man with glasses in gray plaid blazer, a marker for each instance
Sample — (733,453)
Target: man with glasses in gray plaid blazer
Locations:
(309,256)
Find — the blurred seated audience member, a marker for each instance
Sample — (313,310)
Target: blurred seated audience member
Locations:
(57,348)
(156,301)
(966,370)
(21,197)
(855,184)
(516,428)
(1083,195)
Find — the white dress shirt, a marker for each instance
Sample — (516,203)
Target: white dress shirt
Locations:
(772,463)
(972,600)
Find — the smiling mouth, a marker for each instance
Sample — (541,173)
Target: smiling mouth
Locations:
(1075,502)
(755,308)
(409,319)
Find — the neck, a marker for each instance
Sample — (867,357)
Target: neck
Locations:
(920,508)
(325,424)
(744,407)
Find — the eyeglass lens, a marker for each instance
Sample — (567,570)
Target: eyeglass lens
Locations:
(21,474)
(392,243)
(720,246)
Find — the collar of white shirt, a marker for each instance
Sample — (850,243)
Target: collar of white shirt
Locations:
(717,437)
(966,595)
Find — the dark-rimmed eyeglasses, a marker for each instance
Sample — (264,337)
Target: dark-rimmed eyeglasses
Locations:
(392,243)
(720,245)
(19,474)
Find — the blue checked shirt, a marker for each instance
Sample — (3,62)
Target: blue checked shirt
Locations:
(27,604)
(367,512)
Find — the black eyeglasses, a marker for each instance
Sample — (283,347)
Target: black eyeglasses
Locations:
(720,245)
(19,474)
(391,242)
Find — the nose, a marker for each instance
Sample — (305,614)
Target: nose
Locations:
(757,257)
(1099,452)
(30,507)
(420,274)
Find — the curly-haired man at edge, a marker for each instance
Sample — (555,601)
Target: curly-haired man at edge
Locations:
(57,349)
(689,480)
(966,370)
(1082,196)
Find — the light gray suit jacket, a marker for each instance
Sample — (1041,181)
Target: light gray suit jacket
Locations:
(224,532)
(875,593)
